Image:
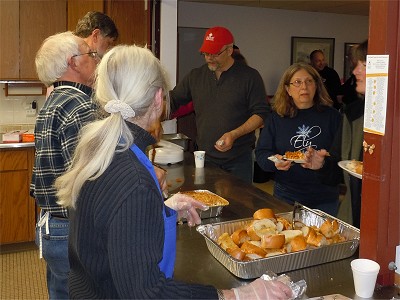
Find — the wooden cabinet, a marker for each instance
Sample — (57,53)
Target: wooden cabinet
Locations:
(133,20)
(78,8)
(9,34)
(17,208)
(24,26)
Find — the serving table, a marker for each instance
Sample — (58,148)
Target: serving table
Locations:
(194,262)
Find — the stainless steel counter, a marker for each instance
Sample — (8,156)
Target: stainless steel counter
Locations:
(16,145)
(194,262)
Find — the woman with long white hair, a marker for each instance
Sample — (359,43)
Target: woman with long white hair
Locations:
(122,241)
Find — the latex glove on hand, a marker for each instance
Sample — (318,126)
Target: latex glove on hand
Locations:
(262,289)
(186,207)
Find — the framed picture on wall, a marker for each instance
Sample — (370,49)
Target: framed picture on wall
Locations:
(303,46)
(348,65)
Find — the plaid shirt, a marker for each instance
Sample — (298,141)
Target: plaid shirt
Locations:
(66,110)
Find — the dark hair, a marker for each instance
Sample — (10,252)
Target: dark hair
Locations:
(96,20)
(359,52)
(312,54)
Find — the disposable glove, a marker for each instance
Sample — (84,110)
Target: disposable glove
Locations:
(262,289)
(186,207)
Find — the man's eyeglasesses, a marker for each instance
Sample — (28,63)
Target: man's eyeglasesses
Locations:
(92,54)
(214,55)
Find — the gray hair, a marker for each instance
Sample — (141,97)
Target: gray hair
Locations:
(52,57)
(133,76)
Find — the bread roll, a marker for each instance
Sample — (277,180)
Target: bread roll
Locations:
(226,242)
(252,256)
(316,239)
(239,236)
(329,228)
(249,248)
(285,223)
(273,241)
(291,234)
(259,228)
(264,213)
(236,253)
(298,243)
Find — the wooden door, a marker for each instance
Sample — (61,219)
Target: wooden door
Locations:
(9,33)
(38,20)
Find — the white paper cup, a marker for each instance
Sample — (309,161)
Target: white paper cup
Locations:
(199,176)
(365,272)
(199,157)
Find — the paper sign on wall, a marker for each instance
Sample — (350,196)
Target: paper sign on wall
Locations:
(376,93)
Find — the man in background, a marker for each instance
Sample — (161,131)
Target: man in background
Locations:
(98,30)
(229,100)
(329,76)
(66,62)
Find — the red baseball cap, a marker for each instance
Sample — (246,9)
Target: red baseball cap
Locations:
(215,38)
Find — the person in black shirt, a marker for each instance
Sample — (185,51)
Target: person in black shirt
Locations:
(329,76)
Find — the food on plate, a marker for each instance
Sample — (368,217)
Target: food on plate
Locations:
(294,155)
(355,166)
(275,235)
(207,197)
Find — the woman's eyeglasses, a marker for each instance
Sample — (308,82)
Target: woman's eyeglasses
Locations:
(298,83)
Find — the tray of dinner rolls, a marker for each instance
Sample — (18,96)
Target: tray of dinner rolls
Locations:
(279,242)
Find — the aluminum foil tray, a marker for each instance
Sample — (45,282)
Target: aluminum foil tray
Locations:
(213,211)
(283,262)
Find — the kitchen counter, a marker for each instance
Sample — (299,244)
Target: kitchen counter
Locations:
(16,145)
(194,262)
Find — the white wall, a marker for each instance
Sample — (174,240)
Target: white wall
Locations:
(13,109)
(264,35)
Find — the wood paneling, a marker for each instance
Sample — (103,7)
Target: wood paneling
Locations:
(9,31)
(132,19)
(78,8)
(38,20)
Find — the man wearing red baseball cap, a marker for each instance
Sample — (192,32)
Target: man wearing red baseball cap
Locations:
(229,102)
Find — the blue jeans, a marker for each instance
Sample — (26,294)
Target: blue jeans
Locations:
(241,166)
(55,253)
